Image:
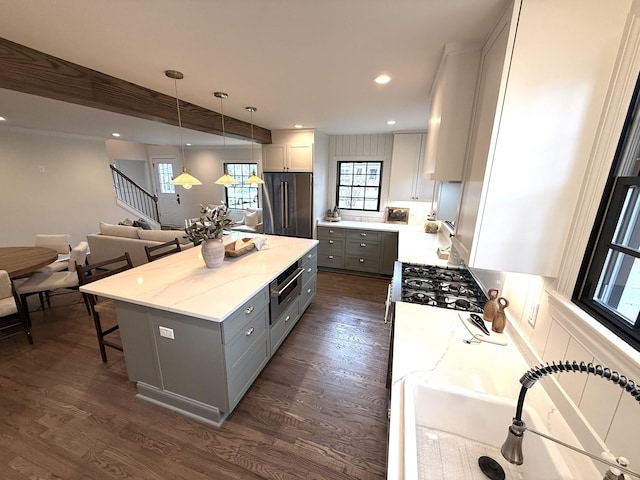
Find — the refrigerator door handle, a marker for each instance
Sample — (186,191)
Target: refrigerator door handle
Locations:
(282,208)
(286,204)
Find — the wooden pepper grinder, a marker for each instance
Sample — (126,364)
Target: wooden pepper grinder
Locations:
(499,321)
(491,307)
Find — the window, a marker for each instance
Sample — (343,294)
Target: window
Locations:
(359,185)
(242,195)
(165,174)
(609,283)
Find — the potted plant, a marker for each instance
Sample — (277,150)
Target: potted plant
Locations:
(208,231)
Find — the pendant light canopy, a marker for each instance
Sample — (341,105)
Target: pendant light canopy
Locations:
(253,178)
(185,178)
(226,180)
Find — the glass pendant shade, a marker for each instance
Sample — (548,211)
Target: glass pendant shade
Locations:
(185,178)
(226,180)
(254,178)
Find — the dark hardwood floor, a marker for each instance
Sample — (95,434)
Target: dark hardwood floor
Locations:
(317,411)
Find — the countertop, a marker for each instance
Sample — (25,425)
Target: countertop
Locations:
(428,342)
(181,283)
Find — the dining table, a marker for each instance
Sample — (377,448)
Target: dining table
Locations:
(21,261)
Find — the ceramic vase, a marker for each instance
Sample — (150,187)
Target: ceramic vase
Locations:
(491,307)
(213,252)
(500,320)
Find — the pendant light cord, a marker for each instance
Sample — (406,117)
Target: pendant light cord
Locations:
(175,84)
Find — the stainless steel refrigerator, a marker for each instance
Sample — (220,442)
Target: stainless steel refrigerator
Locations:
(288,204)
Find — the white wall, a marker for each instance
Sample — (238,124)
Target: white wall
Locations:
(72,195)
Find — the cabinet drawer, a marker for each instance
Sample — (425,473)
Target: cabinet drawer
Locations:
(363,264)
(310,257)
(310,270)
(247,369)
(363,248)
(284,325)
(307,294)
(331,245)
(244,340)
(330,260)
(371,235)
(330,232)
(238,320)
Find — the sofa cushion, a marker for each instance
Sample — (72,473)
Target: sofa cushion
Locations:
(119,230)
(163,235)
(142,223)
(251,219)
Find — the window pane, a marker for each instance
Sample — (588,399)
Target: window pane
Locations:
(619,286)
(165,174)
(627,232)
(242,195)
(358,185)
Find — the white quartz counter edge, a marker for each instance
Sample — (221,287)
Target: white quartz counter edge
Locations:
(428,342)
(181,283)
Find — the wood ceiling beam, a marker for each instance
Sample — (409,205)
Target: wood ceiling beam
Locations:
(30,71)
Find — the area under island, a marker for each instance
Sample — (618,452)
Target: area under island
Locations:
(194,338)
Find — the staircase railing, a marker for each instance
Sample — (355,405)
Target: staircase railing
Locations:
(134,195)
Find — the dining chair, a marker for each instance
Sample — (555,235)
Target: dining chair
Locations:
(10,307)
(61,243)
(101,305)
(48,281)
(158,251)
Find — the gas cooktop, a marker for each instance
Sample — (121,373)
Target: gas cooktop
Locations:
(444,287)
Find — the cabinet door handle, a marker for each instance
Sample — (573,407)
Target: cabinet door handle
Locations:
(287,319)
(308,290)
(363,244)
(362,260)
(330,257)
(310,255)
(249,332)
(309,269)
(249,310)
(363,234)
(330,242)
(331,231)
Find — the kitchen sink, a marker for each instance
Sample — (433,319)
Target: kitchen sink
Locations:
(447,429)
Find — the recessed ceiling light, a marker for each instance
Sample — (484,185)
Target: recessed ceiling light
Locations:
(2,119)
(115,134)
(297,125)
(382,79)
(391,122)
(188,144)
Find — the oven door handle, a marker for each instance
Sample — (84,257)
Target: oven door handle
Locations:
(277,293)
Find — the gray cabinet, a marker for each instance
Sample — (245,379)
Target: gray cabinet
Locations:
(357,250)
(200,367)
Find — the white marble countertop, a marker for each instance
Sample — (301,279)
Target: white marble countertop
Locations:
(181,283)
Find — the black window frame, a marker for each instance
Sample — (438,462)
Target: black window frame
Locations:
(379,186)
(601,240)
(241,183)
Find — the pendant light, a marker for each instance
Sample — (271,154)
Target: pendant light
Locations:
(185,178)
(226,180)
(253,178)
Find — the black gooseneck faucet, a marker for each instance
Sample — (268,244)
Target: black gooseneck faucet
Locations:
(512,447)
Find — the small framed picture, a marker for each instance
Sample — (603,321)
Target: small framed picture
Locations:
(396,215)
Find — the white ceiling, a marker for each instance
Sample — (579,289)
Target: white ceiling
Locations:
(298,61)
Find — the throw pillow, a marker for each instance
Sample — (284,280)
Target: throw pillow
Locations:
(251,219)
(142,223)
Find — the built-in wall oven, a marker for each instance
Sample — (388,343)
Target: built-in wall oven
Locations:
(284,289)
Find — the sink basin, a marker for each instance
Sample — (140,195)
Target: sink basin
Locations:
(446,430)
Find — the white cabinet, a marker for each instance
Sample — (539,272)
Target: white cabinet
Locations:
(287,158)
(451,111)
(407,182)
(537,110)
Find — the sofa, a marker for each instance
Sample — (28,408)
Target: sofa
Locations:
(113,240)
(248,220)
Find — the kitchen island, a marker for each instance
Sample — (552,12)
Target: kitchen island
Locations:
(195,339)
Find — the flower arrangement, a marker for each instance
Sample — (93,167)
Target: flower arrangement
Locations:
(211,224)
